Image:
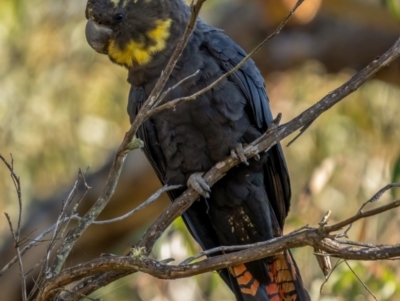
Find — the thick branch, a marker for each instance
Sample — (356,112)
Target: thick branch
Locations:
(307,237)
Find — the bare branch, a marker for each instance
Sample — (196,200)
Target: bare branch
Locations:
(40,237)
(359,279)
(143,205)
(339,262)
(375,198)
(174,103)
(17,185)
(62,220)
(361,215)
(322,240)
(160,270)
(16,233)
(176,86)
(80,295)
(195,10)
(19,258)
(34,242)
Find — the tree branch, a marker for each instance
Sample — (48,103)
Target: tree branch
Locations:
(324,241)
(16,233)
(143,205)
(174,103)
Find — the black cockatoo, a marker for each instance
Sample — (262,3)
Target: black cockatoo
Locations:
(251,202)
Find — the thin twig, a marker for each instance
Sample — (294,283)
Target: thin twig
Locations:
(301,132)
(61,220)
(19,258)
(233,248)
(17,185)
(81,296)
(75,207)
(340,261)
(39,238)
(359,279)
(143,205)
(361,244)
(33,243)
(174,103)
(176,86)
(17,232)
(375,198)
(39,263)
(218,250)
(361,215)
(155,94)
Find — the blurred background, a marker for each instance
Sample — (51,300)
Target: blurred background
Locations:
(63,107)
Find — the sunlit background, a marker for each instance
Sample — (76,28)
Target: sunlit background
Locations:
(63,107)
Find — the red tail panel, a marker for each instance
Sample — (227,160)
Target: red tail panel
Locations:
(284,282)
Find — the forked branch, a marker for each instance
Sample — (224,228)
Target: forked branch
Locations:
(324,241)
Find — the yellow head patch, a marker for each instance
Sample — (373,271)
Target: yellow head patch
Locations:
(136,52)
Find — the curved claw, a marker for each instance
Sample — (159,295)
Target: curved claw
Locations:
(197,182)
(238,153)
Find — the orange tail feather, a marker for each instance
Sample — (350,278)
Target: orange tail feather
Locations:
(284,282)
